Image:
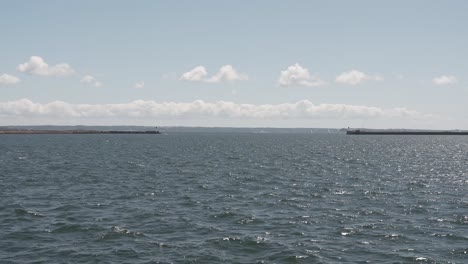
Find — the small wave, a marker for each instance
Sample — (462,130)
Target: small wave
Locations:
(116,232)
(249,220)
(348,231)
(341,192)
(460,252)
(288,256)
(371,212)
(393,236)
(122,230)
(247,241)
(21,211)
(160,244)
(450,236)
(225,214)
(463,219)
(303,219)
(137,164)
(437,219)
(231,238)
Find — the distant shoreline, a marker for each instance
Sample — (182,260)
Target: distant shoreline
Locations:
(130,129)
(28,132)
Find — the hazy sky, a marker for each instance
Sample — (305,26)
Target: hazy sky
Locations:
(235,63)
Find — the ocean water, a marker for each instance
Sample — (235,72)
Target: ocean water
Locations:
(233,198)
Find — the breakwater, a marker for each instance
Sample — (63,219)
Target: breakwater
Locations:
(392,132)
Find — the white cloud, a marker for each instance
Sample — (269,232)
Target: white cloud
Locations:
(150,110)
(226,73)
(355,77)
(444,80)
(296,75)
(91,81)
(37,66)
(139,84)
(8,79)
(197,74)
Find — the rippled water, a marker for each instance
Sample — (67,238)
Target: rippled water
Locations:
(233,198)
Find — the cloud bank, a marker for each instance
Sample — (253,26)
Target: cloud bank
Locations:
(444,80)
(6,79)
(296,75)
(37,66)
(226,73)
(90,81)
(355,77)
(303,109)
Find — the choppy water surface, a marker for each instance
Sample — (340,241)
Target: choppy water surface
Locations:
(233,198)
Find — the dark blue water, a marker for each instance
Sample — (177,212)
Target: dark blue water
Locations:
(233,198)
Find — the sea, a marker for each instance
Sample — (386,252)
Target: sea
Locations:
(233,198)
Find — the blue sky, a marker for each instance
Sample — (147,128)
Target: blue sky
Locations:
(235,63)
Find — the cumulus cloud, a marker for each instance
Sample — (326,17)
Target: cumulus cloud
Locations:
(139,84)
(303,109)
(355,77)
(197,74)
(37,66)
(226,73)
(296,75)
(444,80)
(8,79)
(90,81)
